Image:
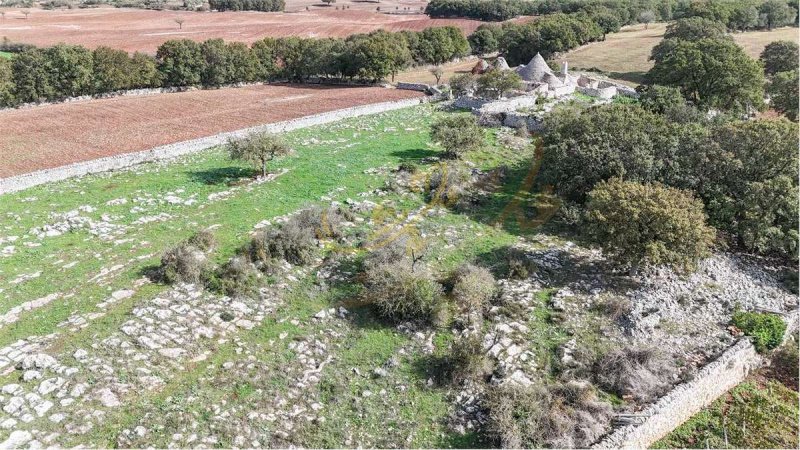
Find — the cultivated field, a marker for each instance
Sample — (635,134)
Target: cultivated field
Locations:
(423,74)
(145,30)
(624,55)
(55,135)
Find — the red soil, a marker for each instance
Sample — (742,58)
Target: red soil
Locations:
(56,135)
(145,30)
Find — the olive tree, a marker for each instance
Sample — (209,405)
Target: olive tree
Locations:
(457,134)
(258,150)
(648,224)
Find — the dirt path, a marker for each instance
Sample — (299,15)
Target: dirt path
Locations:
(56,135)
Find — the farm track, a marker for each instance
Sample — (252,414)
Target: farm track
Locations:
(145,30)
(56,135)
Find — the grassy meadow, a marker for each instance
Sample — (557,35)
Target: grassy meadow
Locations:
(625,55)
(129,217)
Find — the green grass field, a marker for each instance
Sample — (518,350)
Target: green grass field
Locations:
(166,202)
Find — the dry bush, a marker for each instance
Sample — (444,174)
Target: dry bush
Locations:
(518,265)
(616,308)
(639,374)
(473,287)
(467,359)
(182,263)
(402,294)
(290,242)
(324,223)
(237,277)
(449,184)
(203,240)
(400,248)
(565,415)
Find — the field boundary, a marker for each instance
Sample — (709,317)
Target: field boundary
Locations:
(687,399)
(24,181)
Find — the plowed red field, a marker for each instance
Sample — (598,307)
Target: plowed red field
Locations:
(145,30)
(52,136)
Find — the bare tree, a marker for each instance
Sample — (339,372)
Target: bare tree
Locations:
(179,21)
(437,72)
(26,13)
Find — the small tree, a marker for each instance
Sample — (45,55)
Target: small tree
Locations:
(495,83)
(179,21)
(648,224)
(646,17)
(26,13)
(437,72)
(462,84)
(457,134)
(783,92)
(258,150)
(779,56)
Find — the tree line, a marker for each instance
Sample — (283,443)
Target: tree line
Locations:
(45,74)
(744,173)
(740,15)
(552,34)
(247,5)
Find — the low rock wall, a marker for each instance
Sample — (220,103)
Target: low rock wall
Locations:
(24,181)
(685,400)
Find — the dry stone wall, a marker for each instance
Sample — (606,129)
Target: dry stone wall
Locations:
(20,182)
(685,400)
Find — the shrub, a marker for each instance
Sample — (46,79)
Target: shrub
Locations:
(203,240)
(467,359)
(473,287)
(648,224)
(290,242)
(638,374)
(324,223)
(565,415)
(402,294)
(237,277)
(457,134)
(517,264)
(183,263)
(448,184)
(616,308)
(765,329)
(463,84)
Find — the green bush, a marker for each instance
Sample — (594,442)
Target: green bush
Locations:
(402,294)
(648,224)
(765,329)
(237,277)
(458,134)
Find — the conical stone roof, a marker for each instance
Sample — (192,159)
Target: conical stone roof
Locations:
(535,70)
(501,64)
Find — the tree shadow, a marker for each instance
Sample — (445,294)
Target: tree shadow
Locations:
(221,175)
(637,77)
(414,154)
